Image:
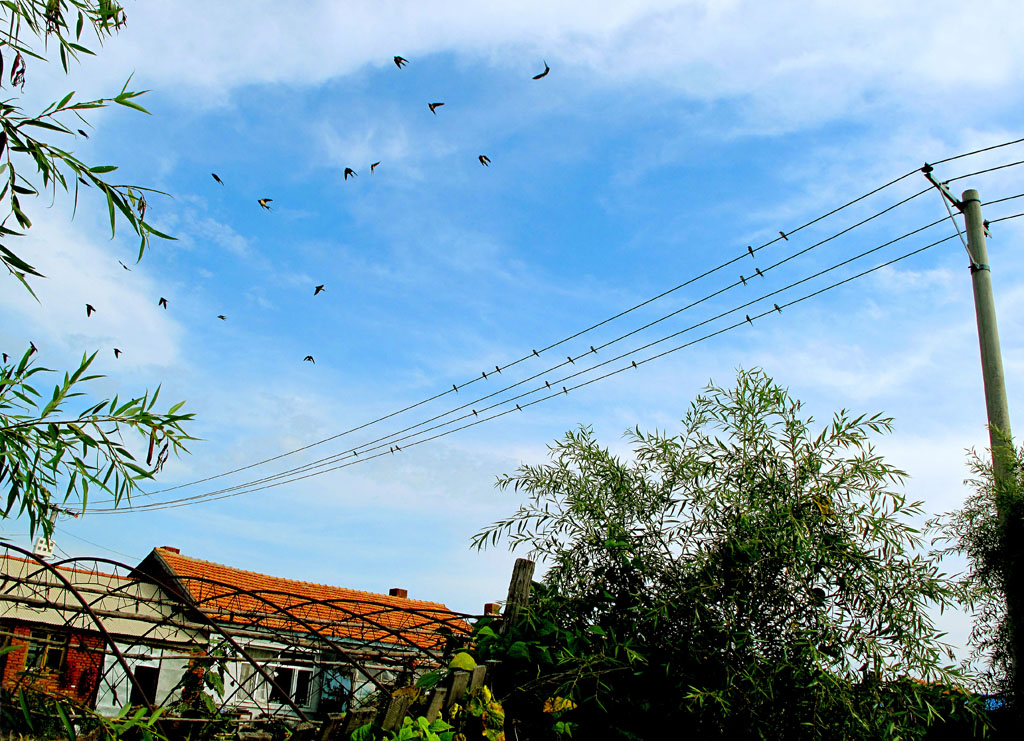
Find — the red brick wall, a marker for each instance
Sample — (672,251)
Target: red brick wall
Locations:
(79,672)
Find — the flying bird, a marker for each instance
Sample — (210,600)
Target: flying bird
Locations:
(124,266)
(401,62)
(350,171)
(434,106)
(5,357)
(544,73)
(89,309)
(373,167)
(117,353)
(264,201)
(217,178)
(222,317)
(484,160)
(318,289)
(162,302)
(309,359)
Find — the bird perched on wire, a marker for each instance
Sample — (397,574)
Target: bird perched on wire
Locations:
(350,171)
(217,178)
(434,106)
(401,62)
(309,359)
(318,289)
(544,73)
(264,202)
(89,309)
(373,167)
(484,160)
(162,302)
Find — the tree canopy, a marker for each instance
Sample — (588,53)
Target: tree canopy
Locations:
(48,455)
(750,576)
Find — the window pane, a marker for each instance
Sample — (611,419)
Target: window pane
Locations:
(148,678)
(302,677)
(34,655)
(283,679)
(54,657)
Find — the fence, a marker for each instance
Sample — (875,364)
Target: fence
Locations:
(102,634)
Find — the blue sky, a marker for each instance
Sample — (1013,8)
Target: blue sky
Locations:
(667,137)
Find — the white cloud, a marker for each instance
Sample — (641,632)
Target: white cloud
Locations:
(790,62)
(81,270)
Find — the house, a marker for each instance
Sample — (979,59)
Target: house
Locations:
(294,648)
(62,620)
(283,648)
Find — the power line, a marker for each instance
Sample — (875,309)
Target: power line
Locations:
(394,436)
(571,360)
(235,491)
(536,353)
(370,446)
(978,151)
(633,365)
(986,170)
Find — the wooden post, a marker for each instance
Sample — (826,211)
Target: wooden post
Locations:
(478,676)
(356,719)
(460,680)
(518,593)
(436,703)
(398,706)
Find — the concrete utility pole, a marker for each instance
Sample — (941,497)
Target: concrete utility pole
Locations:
(988,338)
(1011,515)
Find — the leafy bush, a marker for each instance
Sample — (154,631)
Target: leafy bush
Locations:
(749,577)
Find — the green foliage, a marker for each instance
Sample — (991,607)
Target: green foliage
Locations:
(989,531)
(477,714)
(29,164)
(41,715)
(412,728)
(48,456)
(750,577)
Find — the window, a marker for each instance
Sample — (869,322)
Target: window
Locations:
(293,680)
(147,678)
(46,650)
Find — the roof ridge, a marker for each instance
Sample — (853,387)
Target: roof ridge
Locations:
(169,555)
(69,569)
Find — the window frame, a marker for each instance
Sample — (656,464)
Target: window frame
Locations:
(41,647)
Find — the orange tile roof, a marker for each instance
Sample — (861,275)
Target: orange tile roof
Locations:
(248,598)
